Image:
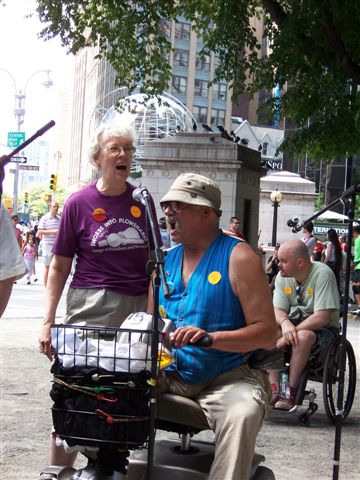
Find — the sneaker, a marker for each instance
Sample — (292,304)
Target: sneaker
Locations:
(35,280)
(356,312)
(275,395)
(28,282)
(285,404)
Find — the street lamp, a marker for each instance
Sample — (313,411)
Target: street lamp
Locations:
(276,198)
(19,112)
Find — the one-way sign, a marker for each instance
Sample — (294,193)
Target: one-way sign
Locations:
(18,159)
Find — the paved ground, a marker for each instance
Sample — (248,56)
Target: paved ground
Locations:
(291,450)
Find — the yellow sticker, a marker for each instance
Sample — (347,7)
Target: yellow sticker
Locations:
(310,292)
(214,277)
(135,211)
(287,290)
(162,312)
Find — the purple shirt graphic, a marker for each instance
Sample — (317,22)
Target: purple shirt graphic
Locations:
(111,238)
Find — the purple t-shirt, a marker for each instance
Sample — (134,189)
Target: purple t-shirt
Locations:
(111,237)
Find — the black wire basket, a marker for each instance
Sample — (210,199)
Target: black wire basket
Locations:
(101,385)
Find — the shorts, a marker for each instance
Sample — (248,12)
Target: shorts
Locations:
(100,306)
(355,276)
(324,338)
(47,254)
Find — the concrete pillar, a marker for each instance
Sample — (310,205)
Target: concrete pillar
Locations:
(234,167)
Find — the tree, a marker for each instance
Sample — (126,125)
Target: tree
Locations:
(313,47)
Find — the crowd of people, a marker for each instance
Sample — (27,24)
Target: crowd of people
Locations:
(104,240)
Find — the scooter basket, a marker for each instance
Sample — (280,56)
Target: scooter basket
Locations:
(96,406)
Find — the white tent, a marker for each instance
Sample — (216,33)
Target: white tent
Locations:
(329,215)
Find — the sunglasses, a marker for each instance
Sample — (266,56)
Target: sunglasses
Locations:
(174,205)
(298,295)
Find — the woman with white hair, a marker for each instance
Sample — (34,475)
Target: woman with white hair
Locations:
(110,236)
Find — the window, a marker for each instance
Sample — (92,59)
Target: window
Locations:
(200,114)
(203,64)
(201,88)
(217,116)
(264,148)
(182,31)
(181,58)
(219,91)
(179,84)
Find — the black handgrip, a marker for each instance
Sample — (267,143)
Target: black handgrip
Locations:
(205,342)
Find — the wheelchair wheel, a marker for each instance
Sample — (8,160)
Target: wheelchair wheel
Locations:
(331,380)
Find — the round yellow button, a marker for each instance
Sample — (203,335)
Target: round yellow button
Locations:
(214,277)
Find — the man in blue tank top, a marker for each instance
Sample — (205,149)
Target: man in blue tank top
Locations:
(219,291)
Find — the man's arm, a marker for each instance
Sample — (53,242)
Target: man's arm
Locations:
(288,330)
(250,285)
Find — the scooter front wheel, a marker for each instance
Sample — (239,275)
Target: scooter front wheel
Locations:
(263,473)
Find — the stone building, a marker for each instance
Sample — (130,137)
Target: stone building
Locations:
(236,169)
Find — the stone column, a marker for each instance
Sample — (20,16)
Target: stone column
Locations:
(234,167)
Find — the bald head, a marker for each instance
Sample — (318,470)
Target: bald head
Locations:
(294,260)
(295,248)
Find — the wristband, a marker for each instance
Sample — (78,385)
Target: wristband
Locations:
(283,320)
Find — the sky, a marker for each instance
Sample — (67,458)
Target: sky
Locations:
(22,53)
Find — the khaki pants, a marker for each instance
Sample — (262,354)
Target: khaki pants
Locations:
(99,306)
(235,404)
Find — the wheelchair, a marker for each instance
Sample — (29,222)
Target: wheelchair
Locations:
(327,372)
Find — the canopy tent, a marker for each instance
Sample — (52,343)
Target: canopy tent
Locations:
(329,215)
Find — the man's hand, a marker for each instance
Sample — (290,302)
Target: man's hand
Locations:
(289,333)
(187,336)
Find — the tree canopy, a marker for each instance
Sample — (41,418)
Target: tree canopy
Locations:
(314,55)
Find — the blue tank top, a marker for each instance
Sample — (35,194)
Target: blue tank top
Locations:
(207,302)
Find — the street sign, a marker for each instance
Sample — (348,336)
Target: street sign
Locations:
(29,167)
(16,159)
(15,139)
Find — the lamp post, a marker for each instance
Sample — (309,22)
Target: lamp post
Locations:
(276,198)
(19,112)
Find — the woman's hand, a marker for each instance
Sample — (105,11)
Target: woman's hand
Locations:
(45,341)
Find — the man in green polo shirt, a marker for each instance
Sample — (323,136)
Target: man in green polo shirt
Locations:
(306,302)
(355,276)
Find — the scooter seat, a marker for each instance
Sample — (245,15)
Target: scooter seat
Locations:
(180,414)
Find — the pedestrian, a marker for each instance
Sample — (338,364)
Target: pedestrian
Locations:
(355,275)
(48,229)
(110,236)
(12,265)
(164,232)
(318,251)
(30,253)
(308,237)
(272,267)
(333,254)
(232,309)
(17,230)
(234,228)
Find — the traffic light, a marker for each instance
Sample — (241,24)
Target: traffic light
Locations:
(47,198)
(53,181)
(26,199)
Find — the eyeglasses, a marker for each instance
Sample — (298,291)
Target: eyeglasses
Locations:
(298,295)
(117,150)
(174,205)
